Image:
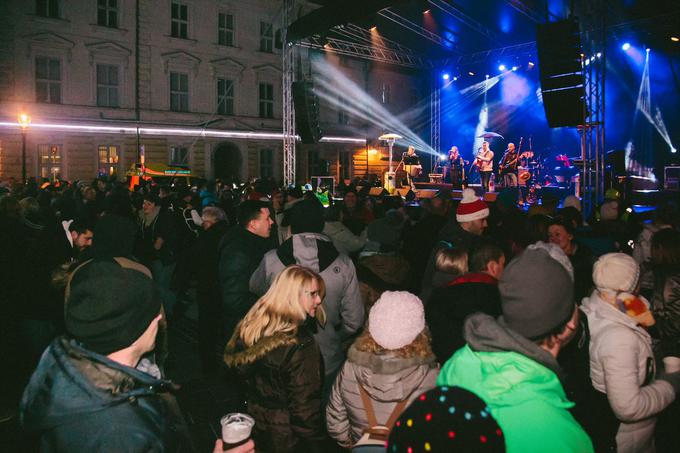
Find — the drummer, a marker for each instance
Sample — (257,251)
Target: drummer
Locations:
(411,165)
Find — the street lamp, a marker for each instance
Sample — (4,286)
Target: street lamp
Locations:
(24,122)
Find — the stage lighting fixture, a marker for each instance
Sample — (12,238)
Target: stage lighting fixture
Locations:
(443,157)
(501,68)
(648,49)
(455,78)
(471,73)
(487,76)
(675,39)
(586,62)
(674,150)
(446,76)
(514,68)
(427,11)
(531,64)
(599,55)
(625,46)
(373,28)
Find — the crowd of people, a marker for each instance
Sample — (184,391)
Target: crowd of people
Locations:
(453,325)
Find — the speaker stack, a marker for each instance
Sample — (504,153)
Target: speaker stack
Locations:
(562,84)
(306,105)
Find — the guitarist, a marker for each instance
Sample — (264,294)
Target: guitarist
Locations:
(508,165)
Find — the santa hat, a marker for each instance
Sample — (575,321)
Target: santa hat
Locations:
(471,207)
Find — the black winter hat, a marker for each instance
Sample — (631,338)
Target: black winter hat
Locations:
(446,419)
(306,216)
(109,304)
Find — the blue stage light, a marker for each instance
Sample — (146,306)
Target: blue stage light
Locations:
(625,46)
(446,76)
(501,67)
(443,157)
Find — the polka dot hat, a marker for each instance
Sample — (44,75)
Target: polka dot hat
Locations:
(446,419)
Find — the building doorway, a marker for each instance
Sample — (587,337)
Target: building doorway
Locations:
(227,162)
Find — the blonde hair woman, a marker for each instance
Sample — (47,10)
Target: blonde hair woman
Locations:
(274,350)
(386,368)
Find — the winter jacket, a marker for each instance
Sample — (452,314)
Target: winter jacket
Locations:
(78,401)
(240,253)
(622,366)
(666,309)
(519,382)
(343,239)
(379,272)
(283,374)
(387,379)
(342,304)
(642,253)
(448,307)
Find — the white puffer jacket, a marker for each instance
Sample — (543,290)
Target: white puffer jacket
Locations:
(621,362)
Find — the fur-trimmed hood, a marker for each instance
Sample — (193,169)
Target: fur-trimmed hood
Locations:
(236,354)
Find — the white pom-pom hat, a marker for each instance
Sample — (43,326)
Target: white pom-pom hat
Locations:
(471,207)
(396,319)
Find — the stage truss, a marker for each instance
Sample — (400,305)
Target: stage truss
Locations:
(288,69)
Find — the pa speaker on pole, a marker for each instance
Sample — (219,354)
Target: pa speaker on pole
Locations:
(559,59)
(306,112)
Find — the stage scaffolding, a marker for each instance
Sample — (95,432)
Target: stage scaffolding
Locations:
(592,131)
(288,65)
(435,112)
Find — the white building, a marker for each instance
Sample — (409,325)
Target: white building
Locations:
(204,72)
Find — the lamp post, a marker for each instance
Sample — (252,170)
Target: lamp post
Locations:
(24,121)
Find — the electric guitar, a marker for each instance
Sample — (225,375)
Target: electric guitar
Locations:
(511,165)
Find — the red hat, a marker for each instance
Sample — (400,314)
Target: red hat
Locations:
(471,207)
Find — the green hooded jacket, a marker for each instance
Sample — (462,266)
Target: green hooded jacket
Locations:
(525,397)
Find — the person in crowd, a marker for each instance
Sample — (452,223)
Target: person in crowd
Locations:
(273,348)
(354,215)
(97,388)
(387,367)
(310,248)
(157,246)
(449,263)
(666,296)
(447,419)
(467,228)
(561,233)
(484,160)
(381,265)
(511,362)
(77,237)
(343,239)
(241,251)
(622,365)
(472,292)
(665,216)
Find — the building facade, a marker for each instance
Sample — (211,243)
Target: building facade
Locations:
(196,83)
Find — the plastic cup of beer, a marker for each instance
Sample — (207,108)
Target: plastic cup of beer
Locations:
(236,429)
(671,364)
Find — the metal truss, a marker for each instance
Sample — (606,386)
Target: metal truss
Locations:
(516,50)
(364,51)
(415,28)
(355,32)
(593,40)
(528,11)
(435,112)
(288,65)
(459,15)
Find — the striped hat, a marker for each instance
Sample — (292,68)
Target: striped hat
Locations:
(471,207)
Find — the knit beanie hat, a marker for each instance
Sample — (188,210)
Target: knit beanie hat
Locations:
(386,231)
(446,419)
(557,254)
(109,304)
(616,272)
(471,207)
(572,201)
(609,210)
(396,319)
(537,294)
(305,216)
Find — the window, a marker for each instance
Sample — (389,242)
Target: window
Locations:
(385,93)
(225,97)
(266,163)
(49,157)
(225,29)
(179,20)
(179,156)
(345,159)
(266,100)
(107,85)
(47,8)
(179,92)
(47,80)
(266,37)
(313,164)
(107,13)
(108,160)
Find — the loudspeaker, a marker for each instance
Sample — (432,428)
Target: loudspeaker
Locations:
(377,192)
(406,193)
(306,112)
(559,59)
(490,197)
(426,193)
